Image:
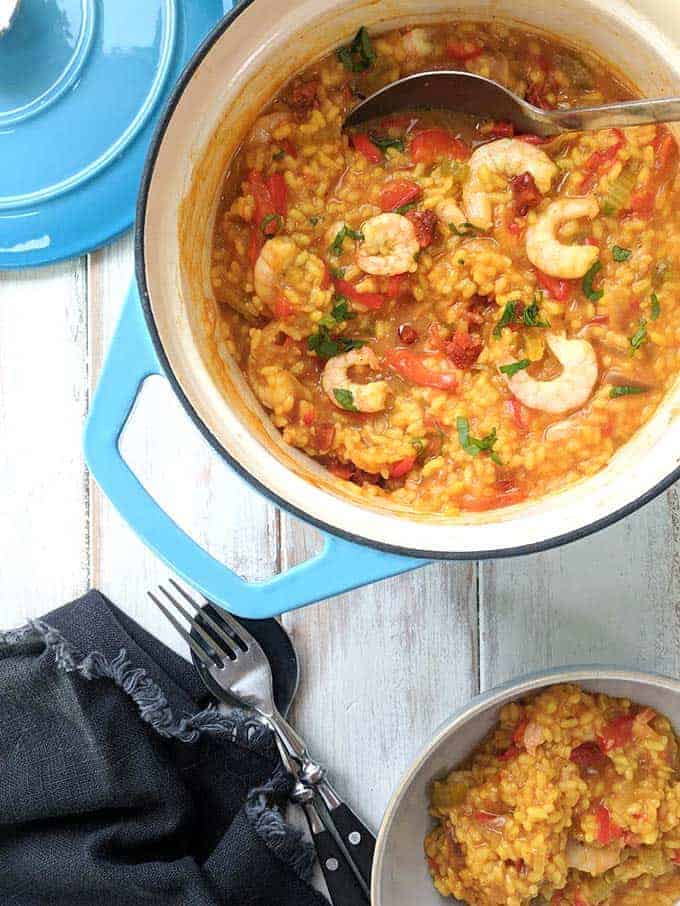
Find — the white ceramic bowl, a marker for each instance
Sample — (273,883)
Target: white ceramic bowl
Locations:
(400,874)
(233,75)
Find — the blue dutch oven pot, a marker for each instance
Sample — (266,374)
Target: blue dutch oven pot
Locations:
(163,331)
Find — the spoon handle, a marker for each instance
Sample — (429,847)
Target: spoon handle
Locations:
(626,113)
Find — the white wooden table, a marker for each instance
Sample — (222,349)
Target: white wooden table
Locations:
(381,667)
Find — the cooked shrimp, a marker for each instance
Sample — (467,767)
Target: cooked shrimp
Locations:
(265,126)
(553,257)
(364,397)
(509,157)
(594,860)
(569,390)
(389,246)
(276,257)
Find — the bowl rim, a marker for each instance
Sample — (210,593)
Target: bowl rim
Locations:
(514,688)
(553,541)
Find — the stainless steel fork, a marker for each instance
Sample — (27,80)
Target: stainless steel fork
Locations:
(237,663)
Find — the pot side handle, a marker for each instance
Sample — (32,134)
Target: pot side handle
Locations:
(339,567)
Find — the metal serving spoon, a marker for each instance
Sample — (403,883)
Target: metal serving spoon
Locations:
(466,92)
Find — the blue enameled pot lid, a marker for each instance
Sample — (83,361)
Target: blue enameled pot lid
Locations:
(81,85)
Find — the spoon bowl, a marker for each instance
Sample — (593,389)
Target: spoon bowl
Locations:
(469,93)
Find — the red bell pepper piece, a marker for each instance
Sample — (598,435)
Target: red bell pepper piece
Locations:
(401,468)
(557,288)
(616,734)
(374,301)
(607,830)
(399,192)
(278,193)
(365,146)
(431,144)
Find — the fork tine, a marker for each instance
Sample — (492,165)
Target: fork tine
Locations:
(239,631)
(211,621)
(198,650)
(227,655)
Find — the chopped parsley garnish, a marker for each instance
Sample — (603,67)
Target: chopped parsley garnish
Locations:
(336,245)
(271,219)
(530,316)
(314,220)
(419,444)
(359,55)
(405,207)
(506,318)
(475,445)
(337,272)
(384,142)
(326,346)
(341,310)
(656,307)
(345,399)
(279,155)
(592,294)
(463,229)
(513,367)
(625,390)
(640,336)
(620,254)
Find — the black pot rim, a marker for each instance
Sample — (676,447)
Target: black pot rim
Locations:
(140,271)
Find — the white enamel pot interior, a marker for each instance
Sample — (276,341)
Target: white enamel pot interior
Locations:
(400,874)
(235,73)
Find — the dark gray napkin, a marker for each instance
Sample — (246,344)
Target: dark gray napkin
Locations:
(121,785)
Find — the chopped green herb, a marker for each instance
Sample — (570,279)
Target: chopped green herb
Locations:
(271,218)
(463,229)
(336,245)
(279,155)
(326,346)
(640,335)
(506,318)
(314,220)
(625,390)
(359,55)
(341,310)
(656,307)
(346,399)
(384,142)
(592,294)
(474,445)
(513,367)
(608,209)
(337,272)
(530,316)
(405,207)
(620,254)
(419,444)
